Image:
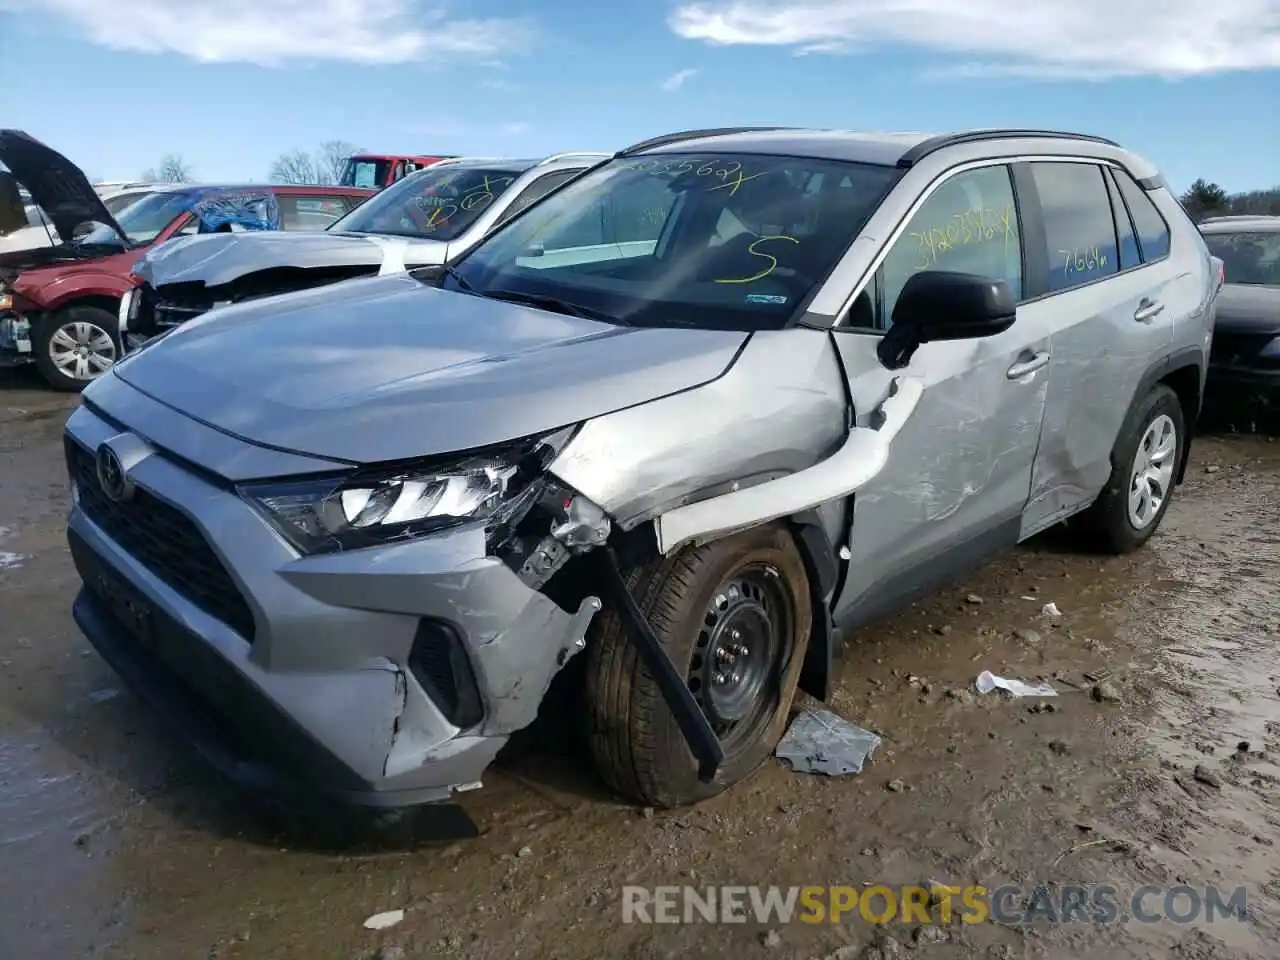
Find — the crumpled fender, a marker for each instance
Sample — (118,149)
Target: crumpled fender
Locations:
(858,460)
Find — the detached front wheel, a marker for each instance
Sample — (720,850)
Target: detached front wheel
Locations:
(734,617)
(75,346)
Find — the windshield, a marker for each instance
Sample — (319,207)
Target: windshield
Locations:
(712,241)
(1251,258)
(437,203)
(364,173)
(143,220)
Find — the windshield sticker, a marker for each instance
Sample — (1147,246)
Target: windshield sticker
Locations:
(964,229)
(766,298)
(773,261)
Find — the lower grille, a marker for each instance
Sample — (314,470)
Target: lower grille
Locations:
(169,315)
(164,541)
(439,662)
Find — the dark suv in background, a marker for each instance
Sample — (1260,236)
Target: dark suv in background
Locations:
(1244,371)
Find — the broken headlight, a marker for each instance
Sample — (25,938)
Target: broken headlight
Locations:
(381,505)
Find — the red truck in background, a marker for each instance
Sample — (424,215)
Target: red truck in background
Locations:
(377,170)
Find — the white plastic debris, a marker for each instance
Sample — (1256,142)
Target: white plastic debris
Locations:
(988,681)
(384,921)
(819,741)
(10,561)
(1050,610)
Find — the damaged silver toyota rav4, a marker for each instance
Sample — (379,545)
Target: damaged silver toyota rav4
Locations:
(691,416)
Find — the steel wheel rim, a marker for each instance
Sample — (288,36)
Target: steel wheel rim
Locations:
(1151,478)
(82,350)
(738,659)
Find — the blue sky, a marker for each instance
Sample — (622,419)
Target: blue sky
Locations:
(231,84)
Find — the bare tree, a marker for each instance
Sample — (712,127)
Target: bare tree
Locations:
(324,166)
(294,167)
(172,169)
(331,159)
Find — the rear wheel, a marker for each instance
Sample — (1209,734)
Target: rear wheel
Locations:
(1144,465)
(734,617)
(75,346)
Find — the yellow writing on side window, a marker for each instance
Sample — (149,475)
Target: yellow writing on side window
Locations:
(964,229)
(773,261)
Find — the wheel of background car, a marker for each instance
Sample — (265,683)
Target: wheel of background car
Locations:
(1144,463)
(734,617)
(75,346)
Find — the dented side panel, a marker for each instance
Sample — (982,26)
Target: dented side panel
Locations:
(779,409)
(961,464)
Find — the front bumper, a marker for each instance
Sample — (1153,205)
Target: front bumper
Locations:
(318,676)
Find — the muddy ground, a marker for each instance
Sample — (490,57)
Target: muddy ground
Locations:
(114,842)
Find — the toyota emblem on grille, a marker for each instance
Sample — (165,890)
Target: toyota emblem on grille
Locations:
(115,483)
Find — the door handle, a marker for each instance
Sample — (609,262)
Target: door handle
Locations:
(1030,365)
(1147,311)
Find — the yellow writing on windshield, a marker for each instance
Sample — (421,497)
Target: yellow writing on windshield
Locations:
(969,228)
(773,261)
(723,173)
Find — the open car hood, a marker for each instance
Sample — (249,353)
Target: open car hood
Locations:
(56,184)
(386,368)
(218,259)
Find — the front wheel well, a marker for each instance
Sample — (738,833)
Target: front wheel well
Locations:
(100,301)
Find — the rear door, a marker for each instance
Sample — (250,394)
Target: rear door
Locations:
(959,473)
(1105,307)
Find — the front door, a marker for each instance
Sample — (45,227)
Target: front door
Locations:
(959,472)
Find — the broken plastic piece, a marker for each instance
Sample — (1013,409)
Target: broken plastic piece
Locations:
(819,741)
(1050,610)
(988,681)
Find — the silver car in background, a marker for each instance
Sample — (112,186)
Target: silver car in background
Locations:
(430,216)
(697,413)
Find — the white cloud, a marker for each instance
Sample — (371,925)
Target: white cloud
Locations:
(1083,39)
(272,32)
(678,80)
(513,129)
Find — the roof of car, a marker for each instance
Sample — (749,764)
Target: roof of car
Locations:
(572,158)
(285,188)
(1253,223)
(903,150)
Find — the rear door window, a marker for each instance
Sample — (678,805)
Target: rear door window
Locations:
(1080,229)
(300,212)
(1153,232)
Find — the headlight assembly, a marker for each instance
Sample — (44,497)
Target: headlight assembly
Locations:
(380,505)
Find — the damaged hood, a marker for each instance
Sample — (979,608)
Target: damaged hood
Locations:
(217,259)
(1245,308)
(386,368)
(56,184)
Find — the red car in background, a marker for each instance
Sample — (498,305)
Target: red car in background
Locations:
(377,170)
(59,305)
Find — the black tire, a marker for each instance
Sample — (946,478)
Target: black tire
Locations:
(1108,518)
(43,347)
(637,746)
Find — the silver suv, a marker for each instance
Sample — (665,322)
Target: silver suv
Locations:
(430,216)
(719,399)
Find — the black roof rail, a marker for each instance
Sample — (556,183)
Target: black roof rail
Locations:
(934,144)
(668,138)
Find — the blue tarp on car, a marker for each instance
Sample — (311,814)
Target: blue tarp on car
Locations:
(256,210)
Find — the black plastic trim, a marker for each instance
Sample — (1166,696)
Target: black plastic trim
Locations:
(669,138)
(942,141)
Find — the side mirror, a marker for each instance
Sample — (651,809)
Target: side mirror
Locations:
(945,305)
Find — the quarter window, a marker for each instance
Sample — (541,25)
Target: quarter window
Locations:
(969,224)
(1153,232)
(1079,228)
(1129,254)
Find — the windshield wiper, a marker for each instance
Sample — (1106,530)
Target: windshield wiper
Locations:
(463,283)
(551,303)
